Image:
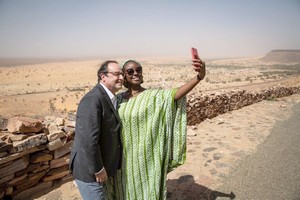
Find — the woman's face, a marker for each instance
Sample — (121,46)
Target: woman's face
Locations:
(133,73)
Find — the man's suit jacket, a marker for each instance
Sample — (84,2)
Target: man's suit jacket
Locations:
(97,141)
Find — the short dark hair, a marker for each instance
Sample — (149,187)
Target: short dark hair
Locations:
(103,68)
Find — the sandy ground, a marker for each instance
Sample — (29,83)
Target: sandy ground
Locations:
(214,147)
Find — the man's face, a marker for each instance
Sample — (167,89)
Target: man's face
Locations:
(113,79)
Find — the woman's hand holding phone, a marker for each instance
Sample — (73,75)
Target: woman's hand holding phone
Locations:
(199,65)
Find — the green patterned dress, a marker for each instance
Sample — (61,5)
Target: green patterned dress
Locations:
(154,143)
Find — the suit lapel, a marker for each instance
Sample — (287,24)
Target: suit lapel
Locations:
(103,92)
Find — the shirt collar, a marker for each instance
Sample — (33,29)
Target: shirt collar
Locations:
(110,94)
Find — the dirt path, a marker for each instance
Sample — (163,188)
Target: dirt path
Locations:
(216,146)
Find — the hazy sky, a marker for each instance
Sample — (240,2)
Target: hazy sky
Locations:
(79,28)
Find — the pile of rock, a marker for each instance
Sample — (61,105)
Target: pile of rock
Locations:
(34,155)
(201,107)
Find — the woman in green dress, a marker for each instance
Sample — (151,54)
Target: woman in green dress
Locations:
(153,134)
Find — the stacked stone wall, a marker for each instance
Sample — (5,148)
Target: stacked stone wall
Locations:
(209,106)
(34,154)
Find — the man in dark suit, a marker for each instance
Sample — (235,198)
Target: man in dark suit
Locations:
(96,152)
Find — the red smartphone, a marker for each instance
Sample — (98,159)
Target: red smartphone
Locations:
(194,53)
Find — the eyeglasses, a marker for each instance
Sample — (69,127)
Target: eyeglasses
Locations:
(116,73)
(131,71)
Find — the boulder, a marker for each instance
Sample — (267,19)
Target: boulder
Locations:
(24,125)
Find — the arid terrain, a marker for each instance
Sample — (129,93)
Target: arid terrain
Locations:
(56,88)
(214,146)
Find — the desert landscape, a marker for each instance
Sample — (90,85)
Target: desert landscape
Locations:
(214,146)
(56,88)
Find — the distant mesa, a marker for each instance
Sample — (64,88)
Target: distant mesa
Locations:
(283,56)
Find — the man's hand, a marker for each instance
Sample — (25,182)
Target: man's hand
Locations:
(101,176)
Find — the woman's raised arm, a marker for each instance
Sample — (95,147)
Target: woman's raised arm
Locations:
(199,66)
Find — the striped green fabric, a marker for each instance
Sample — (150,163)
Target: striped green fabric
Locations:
(154,143)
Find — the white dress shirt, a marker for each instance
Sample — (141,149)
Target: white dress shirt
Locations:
(111,95)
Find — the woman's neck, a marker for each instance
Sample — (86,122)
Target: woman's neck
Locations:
(134,91)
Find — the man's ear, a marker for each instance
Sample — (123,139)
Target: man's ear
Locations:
(102,75)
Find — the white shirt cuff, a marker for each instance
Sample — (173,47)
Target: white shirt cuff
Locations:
(99,171)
